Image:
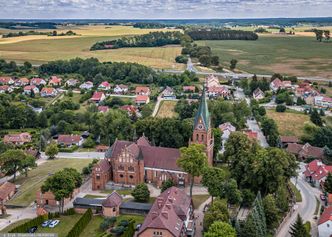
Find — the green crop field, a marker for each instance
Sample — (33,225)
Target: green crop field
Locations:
(292,55)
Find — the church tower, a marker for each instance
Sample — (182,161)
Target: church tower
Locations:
(202,133)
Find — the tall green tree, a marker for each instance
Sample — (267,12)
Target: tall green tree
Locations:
(217,212)
(141,193)
(328,183)
(233,63)
(315,118)
(212,179)
(52,150)
(167,184)
(192,160)
(298,228)
(217,141)
(219,228)
(271,211)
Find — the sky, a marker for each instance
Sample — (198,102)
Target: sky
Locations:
(164,9)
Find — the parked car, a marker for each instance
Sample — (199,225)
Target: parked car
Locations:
(138,226)
(322,197)
(46,223)
(53,223)
(32,230)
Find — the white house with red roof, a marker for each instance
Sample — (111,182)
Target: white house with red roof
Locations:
(37,81)
(86,85)
(97,97)
(258,94)
(105,86)
(17,139)
(48,92)
(323,102)
(325,223)
(55,81)
(27,89)
(103,109)
(276,84)
(214,88)
(22,81)
(6,88)
(142,90)
(316,172)
(120,89)
(6,81)
(70,140)
(142,99)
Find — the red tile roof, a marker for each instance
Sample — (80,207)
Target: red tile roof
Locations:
(5,80)
(142,89)
(97,96)
(14,138)
(103,165)
(69,139)
(103,109)
(112,200)
(276,83)
(168,212)
(142,98)
(143,141)
(306,150)
(4,88)
(251,134)
(104,84)
(317,170)
(48,91)
(289,139)
(326,215)
(6,189)
(188,88)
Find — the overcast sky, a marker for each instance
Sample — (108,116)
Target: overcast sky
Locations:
(165,9)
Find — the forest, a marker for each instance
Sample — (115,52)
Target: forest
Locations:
(221,34)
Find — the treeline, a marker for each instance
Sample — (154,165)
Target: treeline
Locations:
(21,33)
(221,34)
(27,25)
(322,34)
(12,68)
(150,25)
(202,53)
(153,39)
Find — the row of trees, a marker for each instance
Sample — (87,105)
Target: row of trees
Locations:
(152,39)
(221,34)
(12,67)
(202,53)
(322,34)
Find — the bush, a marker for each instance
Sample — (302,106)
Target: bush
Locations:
(68,149)
(181,59)
(281,108)
(107,223)
(27,225)
(118,231)
(80,224)
(141,193)
(89,143)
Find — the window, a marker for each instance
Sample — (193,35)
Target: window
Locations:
(98,177)
(121,167)
(202,137)
(121,175)
(197,137)
(131,169)
(131,177)
(157,233)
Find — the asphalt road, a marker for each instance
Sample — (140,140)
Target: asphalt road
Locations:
(77,155)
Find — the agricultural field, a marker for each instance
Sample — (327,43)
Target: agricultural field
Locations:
(166,109)
(30,185)
(39,49)
(289,123)
(291,55)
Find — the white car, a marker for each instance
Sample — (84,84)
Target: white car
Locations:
(53,223)
(46,223)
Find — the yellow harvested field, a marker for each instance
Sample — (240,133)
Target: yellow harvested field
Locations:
(167,109)
(289,123)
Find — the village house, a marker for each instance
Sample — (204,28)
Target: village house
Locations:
(102,148)
(172,214)
(323,102)
(132,162)
(168,93)
(142,99)
(6,89)
(305,151)
(97,97)
(214,88)
(71,82)
(251,134)
(86,85)
(285,140)
(55,81)
(120,89)
(103,109)
(142,90)
(131,110)
(7,191)
(48,198)
(6,81)
(17,139)
(325,223)
(105,86)
(304,90)
(316,172)
(70,140)
(188,89)
(258,94)
(276,84)
(27,90)
(226,129)
(22,81)
(48,92)
(37,81)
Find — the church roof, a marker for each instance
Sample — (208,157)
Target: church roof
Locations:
(203,112)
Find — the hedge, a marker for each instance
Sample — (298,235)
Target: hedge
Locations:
(27,225)
(68,212)
(130,230)
(80,224)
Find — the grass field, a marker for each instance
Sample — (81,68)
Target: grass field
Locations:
(289,123)
(292,55)
(92,229)
(199,199)
(12,226)
(41,49)
(36,177)
(166,109)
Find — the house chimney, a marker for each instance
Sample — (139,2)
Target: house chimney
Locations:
(165,214)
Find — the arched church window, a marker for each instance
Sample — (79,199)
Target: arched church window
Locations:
(121,167)
(130,168)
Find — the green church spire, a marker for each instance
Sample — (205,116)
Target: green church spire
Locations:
(203,112)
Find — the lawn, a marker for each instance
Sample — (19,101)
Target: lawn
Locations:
(289,123)
(121,192)
(30,185)
(166,109)
(65,225)
(92,229)
(40,50)
(292,55)
(199,199)
(12,226)
(296,191)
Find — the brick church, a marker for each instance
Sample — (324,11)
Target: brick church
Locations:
(134,162)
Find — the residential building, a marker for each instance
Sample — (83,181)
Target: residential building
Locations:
(97,97)
(55,81)
(168,93)
(212,81)
(142,99)
(6,81)
(142,90)
(285,140)
(70,140)
(214,88)
(323,102)
(258,94)
(120,89)
(172,214)
(27,89)
(86,85)
(251,134)
(111,205)
(37,81)
(188,89)
(103,109)
(131,110)
(72,82)
(133,162)
(325,223)
(6,89)
(7,191)
(305,151)
(102,148)
(48,198)
(226,129)
(276,84)
(105,86)
(17,139)
(48,92)
(22,81)
(316,172)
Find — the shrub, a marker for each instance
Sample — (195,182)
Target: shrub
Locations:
(141,193)
(281,108)
(80,224)
(27,225)
(118,230)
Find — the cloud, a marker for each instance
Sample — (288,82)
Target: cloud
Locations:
(127,9)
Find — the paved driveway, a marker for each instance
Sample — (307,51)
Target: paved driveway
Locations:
(253,125)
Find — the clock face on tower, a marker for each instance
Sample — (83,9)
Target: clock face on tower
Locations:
(200,127)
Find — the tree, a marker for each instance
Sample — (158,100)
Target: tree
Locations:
(141,193)
(315,118)
(212,179)
(233,64)
(319,35)
(215,60)
(13,161)
(52,150)
(219,228)
(62,185)
(231,192)
(281,108)
(298,228)
(205,60)
(167,184)
(217,212)
(271,211)
(192,161)
(217,141)
(328,183)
